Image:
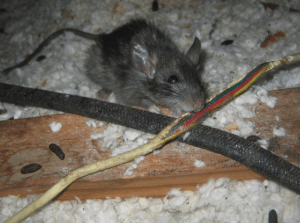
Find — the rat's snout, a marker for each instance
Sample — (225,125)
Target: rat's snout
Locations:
(192,104)
(198,105)
(198,101)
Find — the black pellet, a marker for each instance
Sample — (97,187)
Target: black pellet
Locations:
(57,151)
(3,111)
(273,216)
(154,6)
(227,42)
(3,10)
(1,30)
(40,58)
(31,168)
(253,138)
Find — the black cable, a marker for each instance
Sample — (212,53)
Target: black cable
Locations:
(227,144)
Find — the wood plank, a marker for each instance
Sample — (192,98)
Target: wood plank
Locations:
(287,109)
(26,141)
(156,187)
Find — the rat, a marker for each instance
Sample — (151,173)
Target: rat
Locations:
(142,66)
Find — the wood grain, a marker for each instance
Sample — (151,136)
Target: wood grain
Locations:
(27,141)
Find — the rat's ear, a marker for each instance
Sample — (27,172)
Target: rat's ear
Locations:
(194,52)
(141,58)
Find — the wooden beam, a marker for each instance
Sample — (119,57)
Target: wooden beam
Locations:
(27,141)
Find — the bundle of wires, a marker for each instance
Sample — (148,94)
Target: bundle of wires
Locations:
(275,168)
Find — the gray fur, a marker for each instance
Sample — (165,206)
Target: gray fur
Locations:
(136,62)
(141,65)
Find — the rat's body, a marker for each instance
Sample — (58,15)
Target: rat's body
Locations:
(141,65)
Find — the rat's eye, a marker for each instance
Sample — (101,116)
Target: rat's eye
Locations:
(173,79)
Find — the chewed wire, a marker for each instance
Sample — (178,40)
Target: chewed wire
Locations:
(228,93)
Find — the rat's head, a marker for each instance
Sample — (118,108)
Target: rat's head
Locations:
(171,77)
